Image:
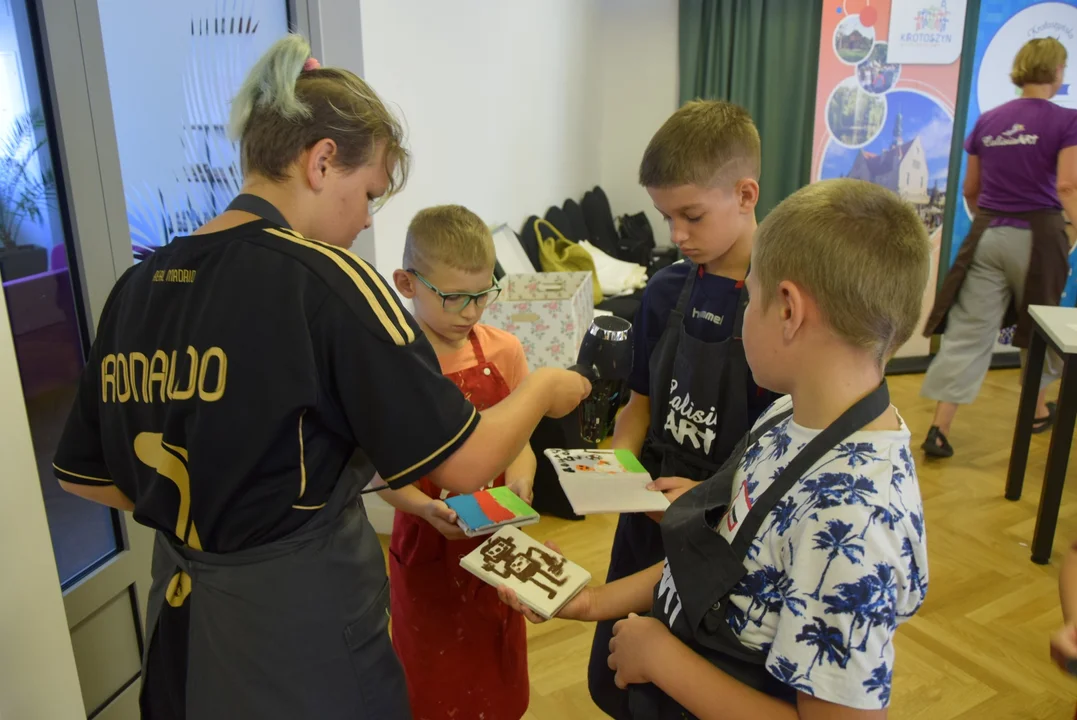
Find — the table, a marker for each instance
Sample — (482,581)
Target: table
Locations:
(1055,327)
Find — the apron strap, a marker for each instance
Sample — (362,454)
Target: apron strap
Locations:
(859,415)
(742,304)
(686,292)
(245,202)
(480,357)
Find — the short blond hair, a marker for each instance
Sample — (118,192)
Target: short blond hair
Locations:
(709,143)
(858,250)
(1037,62)
(449,235)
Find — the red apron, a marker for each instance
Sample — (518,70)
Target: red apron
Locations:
(464,652)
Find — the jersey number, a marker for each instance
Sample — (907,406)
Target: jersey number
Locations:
(170,461)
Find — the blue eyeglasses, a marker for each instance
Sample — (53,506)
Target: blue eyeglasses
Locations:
(456,302)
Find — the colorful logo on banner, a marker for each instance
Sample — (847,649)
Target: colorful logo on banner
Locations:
(1004,26)
(885,104)
(928,34)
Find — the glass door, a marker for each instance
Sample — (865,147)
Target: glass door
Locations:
(101,568)
(39,285)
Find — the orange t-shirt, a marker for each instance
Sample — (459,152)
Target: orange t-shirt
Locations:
(501,348)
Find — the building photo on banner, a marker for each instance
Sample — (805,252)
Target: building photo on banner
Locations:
(1004,26)
(888,76)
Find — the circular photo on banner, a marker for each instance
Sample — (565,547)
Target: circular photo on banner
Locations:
(910,155)
(875,75)
(853,116)
(1054,19)
(853,40)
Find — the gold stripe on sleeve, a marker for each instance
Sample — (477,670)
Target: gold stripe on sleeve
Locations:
(84,477)
(437,452)
(400,335)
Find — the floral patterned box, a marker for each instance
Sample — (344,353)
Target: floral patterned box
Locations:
(548,312)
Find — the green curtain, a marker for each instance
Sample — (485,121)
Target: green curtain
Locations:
(764,55)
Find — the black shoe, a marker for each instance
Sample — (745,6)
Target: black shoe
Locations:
(1042,425)
(936,445)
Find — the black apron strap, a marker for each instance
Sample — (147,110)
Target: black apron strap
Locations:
(855,418)
(742,304)
(245,202)
(686,293)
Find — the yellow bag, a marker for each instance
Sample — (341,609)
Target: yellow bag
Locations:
(559,254)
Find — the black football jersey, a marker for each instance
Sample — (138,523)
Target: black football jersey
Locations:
(234,375)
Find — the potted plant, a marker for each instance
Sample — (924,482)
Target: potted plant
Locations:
(26,193)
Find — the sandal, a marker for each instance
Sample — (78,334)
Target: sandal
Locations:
(936,445)
(1042,425)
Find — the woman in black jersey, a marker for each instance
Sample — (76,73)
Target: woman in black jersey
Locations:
(245,383)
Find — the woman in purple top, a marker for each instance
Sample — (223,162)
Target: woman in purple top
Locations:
(1022,172)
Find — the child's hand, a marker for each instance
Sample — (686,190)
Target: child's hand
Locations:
(633,647)
(673,488)
(443,518)
(578,608)
(1064,647)
(524,487)
(564,389)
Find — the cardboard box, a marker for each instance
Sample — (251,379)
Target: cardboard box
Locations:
(548,312)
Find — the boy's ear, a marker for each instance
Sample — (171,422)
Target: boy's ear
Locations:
(405,283)
(792,308)
(747,194)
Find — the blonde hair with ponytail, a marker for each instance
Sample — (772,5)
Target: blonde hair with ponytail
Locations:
(282,110)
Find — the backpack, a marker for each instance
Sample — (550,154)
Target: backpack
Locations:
(577,225)
(636,239)
(601,230)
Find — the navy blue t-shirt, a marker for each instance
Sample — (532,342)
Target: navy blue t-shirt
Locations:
(710,316)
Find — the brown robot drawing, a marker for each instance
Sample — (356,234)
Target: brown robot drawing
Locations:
(500,557)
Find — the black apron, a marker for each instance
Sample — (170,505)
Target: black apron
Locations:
(296,628)
(694,428)
(705,567)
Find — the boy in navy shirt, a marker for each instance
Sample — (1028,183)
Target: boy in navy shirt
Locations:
(693,396)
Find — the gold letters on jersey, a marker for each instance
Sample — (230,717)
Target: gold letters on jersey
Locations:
(162,377)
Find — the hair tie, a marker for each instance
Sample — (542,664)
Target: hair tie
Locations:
(311,64)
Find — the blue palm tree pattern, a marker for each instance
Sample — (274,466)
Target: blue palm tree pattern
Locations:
(836,566)
(789,673)
(836,540)
(880,682)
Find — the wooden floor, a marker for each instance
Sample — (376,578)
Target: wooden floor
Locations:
(978,650)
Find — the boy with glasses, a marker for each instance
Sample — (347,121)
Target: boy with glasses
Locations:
(464,653)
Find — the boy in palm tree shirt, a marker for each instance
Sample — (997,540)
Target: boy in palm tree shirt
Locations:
(788,571)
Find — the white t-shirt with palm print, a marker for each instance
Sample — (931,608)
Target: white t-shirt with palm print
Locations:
(838,564)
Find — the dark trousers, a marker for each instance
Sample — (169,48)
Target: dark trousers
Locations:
(637,545)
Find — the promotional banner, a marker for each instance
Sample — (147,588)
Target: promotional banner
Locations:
(884,109)
(1004,26)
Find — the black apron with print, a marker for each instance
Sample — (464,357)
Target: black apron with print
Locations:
(699,412)
(705,567)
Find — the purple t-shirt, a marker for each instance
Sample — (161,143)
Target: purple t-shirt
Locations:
(1018,145)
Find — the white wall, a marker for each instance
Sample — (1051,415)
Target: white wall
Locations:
(500,100)
(638,70)
(38,678)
